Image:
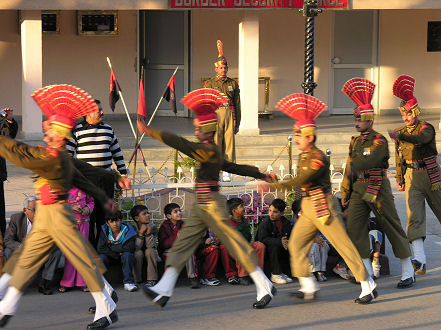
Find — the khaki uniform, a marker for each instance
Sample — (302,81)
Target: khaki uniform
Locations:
(54,218)
(313,177)
(228,117)
(411,150)
(367,154)
(210,209)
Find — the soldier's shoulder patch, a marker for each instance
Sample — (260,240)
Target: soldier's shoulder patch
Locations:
(50,151)
(379,140)
(424,126)
(316,163)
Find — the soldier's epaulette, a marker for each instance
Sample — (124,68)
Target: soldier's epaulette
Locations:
(50,151)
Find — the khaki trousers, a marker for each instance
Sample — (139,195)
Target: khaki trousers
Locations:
(386,213)
(55,224)
(214,216)
(306,228)
(224,136)
(418,190)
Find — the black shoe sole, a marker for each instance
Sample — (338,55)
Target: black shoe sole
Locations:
(152,295)
(407,283)
(103,323)
(265,300)
(367,299)
(308,296)
(4,320)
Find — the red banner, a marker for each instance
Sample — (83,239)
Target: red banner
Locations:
(253,4)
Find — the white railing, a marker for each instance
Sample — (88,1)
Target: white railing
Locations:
(158,190)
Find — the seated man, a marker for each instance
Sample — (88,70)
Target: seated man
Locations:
(145,245)
(168,233)
(274,232)
(116,243)
(237,220)
(19,227)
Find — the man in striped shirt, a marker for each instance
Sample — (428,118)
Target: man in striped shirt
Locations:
(95,143)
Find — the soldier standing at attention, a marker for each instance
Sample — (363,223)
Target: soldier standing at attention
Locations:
(366,187)
(228,115)
(418,171)
(209,211)
(320,210)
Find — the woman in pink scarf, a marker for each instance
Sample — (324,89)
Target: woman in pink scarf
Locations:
(82,205)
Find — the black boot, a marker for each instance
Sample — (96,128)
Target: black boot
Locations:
(103,322)
(158,299)
(114,297)
(4,320)
(44,288)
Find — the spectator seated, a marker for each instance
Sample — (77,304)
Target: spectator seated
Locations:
(116,244)
(274,232)
(145,246)
(168,233)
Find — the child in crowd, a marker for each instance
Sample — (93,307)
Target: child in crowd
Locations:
(237,220)
(376,239)
(145,245)
(116,243)
(82,205)
(168,233)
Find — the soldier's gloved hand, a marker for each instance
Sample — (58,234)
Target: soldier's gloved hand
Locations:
(401,187)
(393,134)
(270,178)
(263,188)
(125,183)
(111,206)
(143,128)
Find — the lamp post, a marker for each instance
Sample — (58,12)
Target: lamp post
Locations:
(310,11)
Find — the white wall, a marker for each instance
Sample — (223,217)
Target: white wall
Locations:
(403,50)
(281,49)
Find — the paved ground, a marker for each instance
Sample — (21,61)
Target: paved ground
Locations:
(228,307)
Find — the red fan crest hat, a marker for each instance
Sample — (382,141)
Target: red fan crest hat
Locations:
(361,91)
(204,103)
(221,59)
(304,108)
(403,88)
(62,104)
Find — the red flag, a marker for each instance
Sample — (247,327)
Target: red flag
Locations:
(142,111)
(169,94)
(113,90)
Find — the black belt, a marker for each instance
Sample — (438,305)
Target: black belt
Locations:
(416,165)
(305,193)
(364,176)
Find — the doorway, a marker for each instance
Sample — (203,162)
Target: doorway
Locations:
(353,54)
(164,45)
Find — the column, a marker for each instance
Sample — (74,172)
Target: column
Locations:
(32,68)
(249,74)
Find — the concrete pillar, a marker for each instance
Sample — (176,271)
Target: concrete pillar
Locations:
(32,68)
(249,74)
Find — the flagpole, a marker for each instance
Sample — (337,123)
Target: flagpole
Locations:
(123,103)
(156,109)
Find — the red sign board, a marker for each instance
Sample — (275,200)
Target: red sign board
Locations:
(253,4)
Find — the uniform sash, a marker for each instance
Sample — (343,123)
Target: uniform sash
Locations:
(321,209)
(374,185)
(433,171)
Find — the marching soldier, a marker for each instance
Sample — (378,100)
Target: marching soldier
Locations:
(210,209)
(320,210)
(54,222)
(228,115)
(418,171)
(366,187)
